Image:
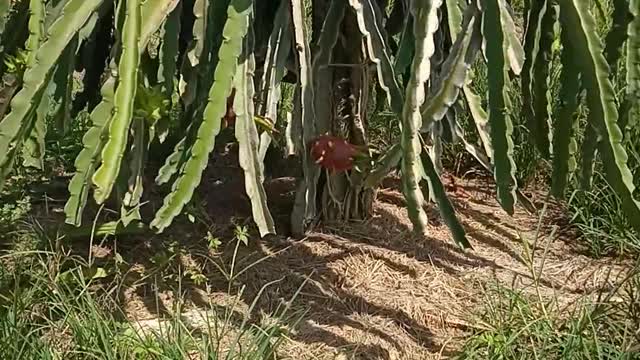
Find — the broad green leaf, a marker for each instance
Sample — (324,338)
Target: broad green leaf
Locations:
(190,175)
(305,205)
(248,141)
(36,78)
(124,99)
(566,120)
(278,49)
(453,76)
(447,211)
(581,26)
(425,24)
(499,119)
(370,22)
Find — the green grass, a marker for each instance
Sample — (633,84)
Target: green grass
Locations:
(515,325)
(533,322)
(597,215)
(54,305)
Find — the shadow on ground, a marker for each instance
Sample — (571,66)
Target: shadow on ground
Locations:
(367,290)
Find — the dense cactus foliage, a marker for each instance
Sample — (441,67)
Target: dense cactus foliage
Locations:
(178,72)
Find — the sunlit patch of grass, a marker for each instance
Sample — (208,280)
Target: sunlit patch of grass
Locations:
(54,305)
(522,323)
(517,326)
(598,216)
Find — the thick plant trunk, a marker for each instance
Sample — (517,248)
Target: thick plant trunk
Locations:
(343,196)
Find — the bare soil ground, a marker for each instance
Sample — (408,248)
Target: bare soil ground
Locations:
(368,290)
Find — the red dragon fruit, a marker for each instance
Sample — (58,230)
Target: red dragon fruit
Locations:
(333,153)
